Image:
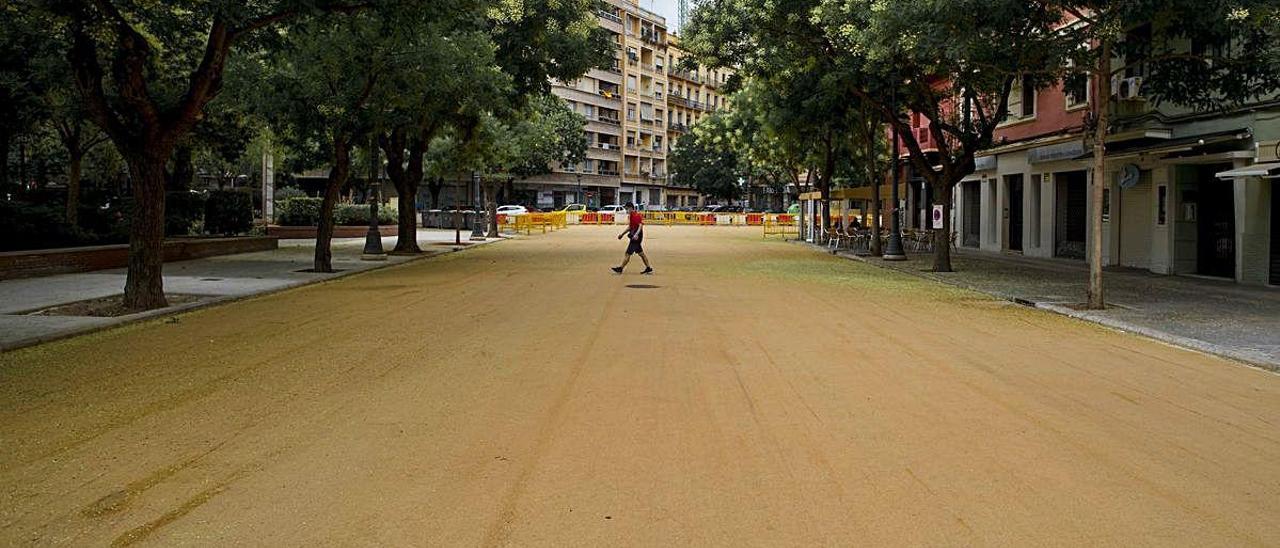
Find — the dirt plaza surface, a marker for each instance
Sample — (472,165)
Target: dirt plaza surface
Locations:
(520,394)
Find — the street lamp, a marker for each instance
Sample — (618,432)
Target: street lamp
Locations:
(477,230)
(373,238)
(893,248)
(579,188)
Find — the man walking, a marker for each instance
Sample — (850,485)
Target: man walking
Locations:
(635,235)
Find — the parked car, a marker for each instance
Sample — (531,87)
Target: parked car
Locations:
(574,208)
(512,210)
(655,207)
(615,208)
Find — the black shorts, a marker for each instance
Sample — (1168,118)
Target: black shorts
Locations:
(633,246)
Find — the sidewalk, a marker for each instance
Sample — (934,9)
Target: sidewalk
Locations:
(1218,317)
(207,281)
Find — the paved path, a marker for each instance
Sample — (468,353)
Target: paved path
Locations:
(1217,316)
(751,393)
(211,279)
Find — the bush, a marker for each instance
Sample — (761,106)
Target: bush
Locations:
(358,214)
(285,193)
(298,211)
(26,226)
(183,211)
(228,212)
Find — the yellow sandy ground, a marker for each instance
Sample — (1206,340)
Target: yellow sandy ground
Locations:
(520,394)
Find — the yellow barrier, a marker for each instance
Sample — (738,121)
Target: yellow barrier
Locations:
(528,222)
(780,224)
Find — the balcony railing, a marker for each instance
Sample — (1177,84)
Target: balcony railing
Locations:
(608,120)
(609,172)
(609,16)
(678,127)
(686,75)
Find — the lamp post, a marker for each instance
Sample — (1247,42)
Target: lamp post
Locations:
(373,239)
(579,200)
(893,248)
(477,228)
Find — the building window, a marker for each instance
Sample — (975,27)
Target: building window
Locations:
(1028,98)
(1076,88)
(1106,205)
(1162,199)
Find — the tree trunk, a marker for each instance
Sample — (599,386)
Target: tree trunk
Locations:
(144,283)
(5,142)
(1102,78)
(491,208)
(338,176)
(874,247)
(942,236)
(406,179)
(75,159)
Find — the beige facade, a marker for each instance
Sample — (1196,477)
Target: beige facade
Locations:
(691,95)
(635,110)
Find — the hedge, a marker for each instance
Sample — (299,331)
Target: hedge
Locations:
(306,212)
(183,212)
(228,212)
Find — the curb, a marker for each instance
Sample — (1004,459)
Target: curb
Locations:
(225,299)
(1157,335)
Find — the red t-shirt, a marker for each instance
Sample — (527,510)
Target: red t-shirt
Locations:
(634,222)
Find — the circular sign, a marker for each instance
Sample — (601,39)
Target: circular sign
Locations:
(1129,176)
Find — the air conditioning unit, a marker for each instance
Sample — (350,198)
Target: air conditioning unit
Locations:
(604,146)
(1129,88)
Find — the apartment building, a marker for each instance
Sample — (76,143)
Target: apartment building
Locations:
(624,106)
(1186,192)
(692,94)
(635,111)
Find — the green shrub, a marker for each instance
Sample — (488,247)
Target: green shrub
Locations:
(298,211)
(358,214)
(183,211)
(27,226)
(228,212)
(284,193)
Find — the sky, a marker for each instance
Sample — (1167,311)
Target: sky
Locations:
(666,8)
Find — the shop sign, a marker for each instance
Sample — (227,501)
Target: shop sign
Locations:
(1052,153)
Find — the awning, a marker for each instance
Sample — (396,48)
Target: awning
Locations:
(1139,147)
(1266,171)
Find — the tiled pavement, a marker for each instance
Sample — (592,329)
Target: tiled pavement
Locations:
(1215,316)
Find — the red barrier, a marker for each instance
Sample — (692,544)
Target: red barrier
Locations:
(755,219)
(786,219)
(590,218)
(708,219)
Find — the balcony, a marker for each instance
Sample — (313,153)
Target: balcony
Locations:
(609,16)
(609,120)
(685,75)
(678,127)
(608,172)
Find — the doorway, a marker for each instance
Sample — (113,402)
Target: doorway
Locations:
(1070,219)
(1014,185)
(1275,232)
(1215,227)
(1136,223)
(972,214)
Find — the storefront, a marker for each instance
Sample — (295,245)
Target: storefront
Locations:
(1257,186)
